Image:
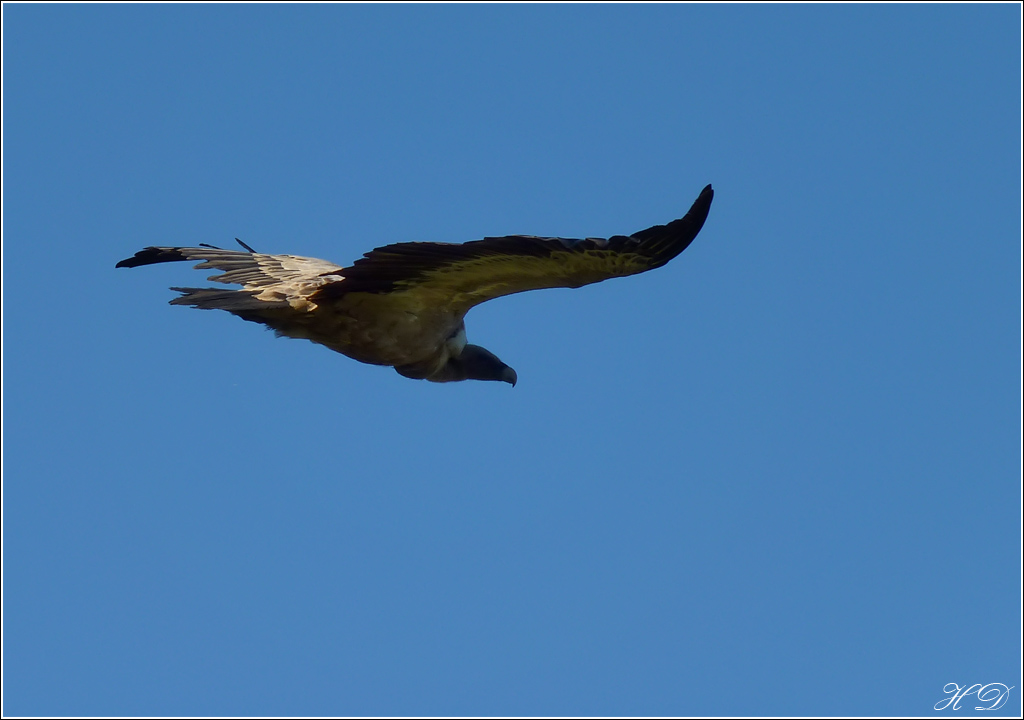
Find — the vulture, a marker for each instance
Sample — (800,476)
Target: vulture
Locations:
(404,305)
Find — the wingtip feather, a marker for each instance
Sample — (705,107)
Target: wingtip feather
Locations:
(151,256)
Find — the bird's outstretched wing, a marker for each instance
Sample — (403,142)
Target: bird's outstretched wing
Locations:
(268,281)
(459,276)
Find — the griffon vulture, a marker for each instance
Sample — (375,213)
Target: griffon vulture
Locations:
(404,304)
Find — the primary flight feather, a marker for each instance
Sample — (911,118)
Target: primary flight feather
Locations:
(404,304)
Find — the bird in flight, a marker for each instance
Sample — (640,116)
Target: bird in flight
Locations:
(404,304)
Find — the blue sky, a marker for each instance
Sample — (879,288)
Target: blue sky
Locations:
(778,476)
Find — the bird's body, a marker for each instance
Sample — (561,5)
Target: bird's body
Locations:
(404,304)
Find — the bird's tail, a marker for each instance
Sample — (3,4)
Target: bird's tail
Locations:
(244,303)
(233,301)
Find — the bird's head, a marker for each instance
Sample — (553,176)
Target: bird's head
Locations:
(481,364)
(475,363)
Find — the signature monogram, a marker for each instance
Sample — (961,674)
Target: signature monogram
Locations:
(993,693)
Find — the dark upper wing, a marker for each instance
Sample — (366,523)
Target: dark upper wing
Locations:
(461,276)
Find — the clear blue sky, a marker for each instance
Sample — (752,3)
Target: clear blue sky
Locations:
(779,475)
